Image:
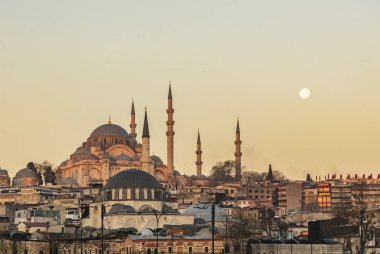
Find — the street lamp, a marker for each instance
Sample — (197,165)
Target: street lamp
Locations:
(158,220)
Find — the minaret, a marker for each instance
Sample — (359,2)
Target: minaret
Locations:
(238,152)
(133,122)
(146,160)
(199,161)
(170,133)
(270,173)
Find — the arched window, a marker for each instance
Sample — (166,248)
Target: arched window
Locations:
(137,194)
(120,194)
(157,195)
(145,194)
(129,196)
(149,194)
(141,196)
(109,195)
(115,194)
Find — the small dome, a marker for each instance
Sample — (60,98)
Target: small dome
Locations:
(156,159)
(146,232)
(200,221)
(132,178)
(82,153)
(3,172)
(109,130)
(69,181)
(204,211)
(25,177)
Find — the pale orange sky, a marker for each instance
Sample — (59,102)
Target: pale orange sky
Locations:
(66,65)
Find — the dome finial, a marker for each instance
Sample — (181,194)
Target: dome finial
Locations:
(109,119)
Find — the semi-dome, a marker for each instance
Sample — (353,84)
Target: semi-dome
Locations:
(123,157)
(121,208)
(25,177)
(132,178)
(109,129)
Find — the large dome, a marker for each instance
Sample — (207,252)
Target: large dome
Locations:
(132,178)
(109,130)
(25,177)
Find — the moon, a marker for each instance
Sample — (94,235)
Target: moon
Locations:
(304,93)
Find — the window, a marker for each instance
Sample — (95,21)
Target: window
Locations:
(170,249)
(206,249)
(190,249)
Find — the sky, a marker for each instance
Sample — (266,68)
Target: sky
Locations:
(65,66)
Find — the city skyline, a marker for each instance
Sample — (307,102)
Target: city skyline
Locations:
(65,70)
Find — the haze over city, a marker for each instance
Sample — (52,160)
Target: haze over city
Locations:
(65,66)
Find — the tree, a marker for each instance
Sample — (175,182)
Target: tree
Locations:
(366,220)
(32,166)
(224,171)
(251,177)
(45,169)
(241,228)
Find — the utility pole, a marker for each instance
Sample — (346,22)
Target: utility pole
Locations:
(102,222)
(213,226)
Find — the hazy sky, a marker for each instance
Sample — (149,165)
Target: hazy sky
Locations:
(66,65)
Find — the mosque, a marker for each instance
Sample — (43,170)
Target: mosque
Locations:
(110,149)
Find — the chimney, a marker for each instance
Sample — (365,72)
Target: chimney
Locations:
(341,177)
(363,176)
(348,176)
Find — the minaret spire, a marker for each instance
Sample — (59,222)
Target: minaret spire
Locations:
(270,173)
(146,160)
(238,152)
(133,124)
(146,126)
(109,119)
(198,152)
(170,133)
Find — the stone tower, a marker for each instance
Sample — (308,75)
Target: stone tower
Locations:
(146,160)
(199,156)
(238,152)
(133,124)
(170,133)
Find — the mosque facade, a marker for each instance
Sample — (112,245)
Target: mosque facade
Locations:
(110,149)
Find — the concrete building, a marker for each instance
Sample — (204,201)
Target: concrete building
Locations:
(324,197)
(309,197)
(341,196)
(290,196)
